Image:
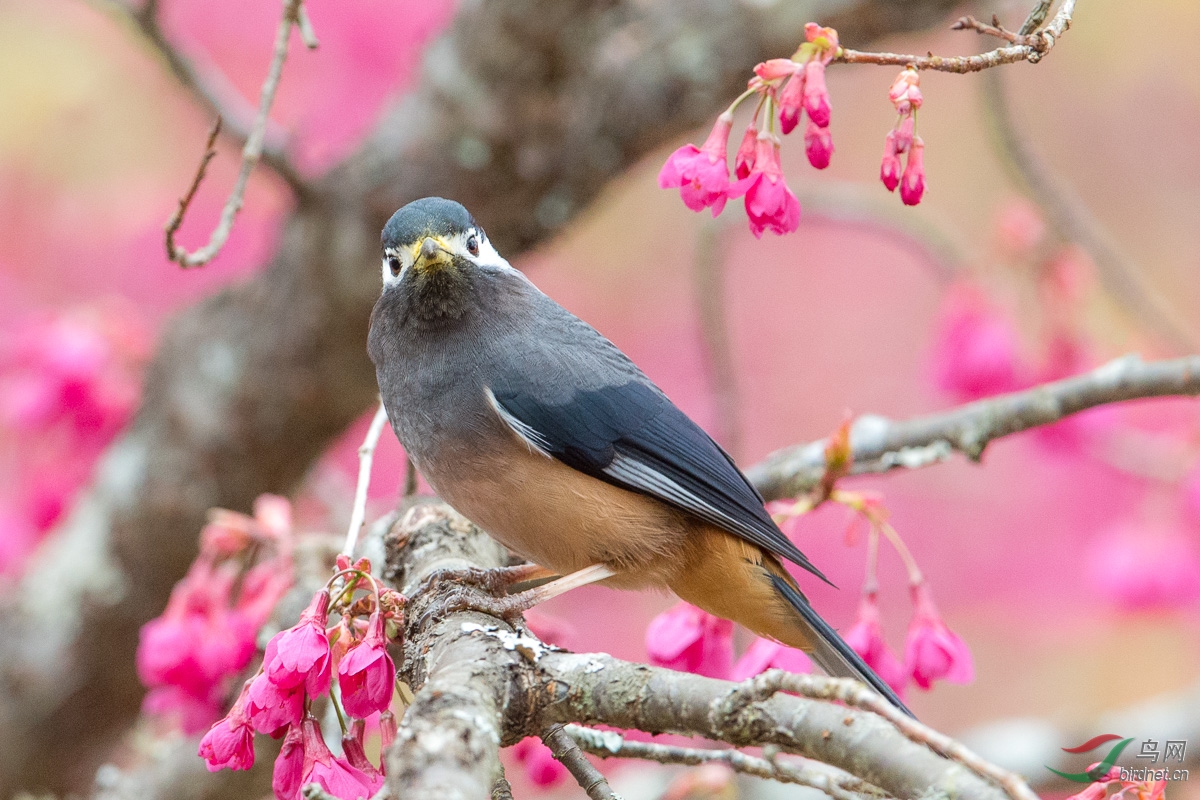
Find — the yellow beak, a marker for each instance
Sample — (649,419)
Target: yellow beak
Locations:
(431,252)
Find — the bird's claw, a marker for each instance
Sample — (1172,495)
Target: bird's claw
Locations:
(462,598)
(493,581)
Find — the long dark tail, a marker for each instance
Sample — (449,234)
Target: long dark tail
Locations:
(830,651)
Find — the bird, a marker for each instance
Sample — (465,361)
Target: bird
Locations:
(537,428)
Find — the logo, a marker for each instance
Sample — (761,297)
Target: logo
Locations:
(1174,751)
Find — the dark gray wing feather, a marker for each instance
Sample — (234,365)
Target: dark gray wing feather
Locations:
(631,435)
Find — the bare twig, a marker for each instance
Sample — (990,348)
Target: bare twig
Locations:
(570,756)
(252,150)
(803,772)
(210,152)
(1069,217)
(1036,17)
(880,444)
(212,88)
(969,23)
(366,455)
(708,279)
(1033,47)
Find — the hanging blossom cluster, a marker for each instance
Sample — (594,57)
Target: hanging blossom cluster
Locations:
(297,670)
(689,639)
(1126,789)
(788,90)
(190,656)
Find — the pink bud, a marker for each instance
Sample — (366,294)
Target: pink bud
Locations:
(826,40)
(745,153)
(687,639)
(976,352)
(300,654)
(904,133)
(367,675)
(932,651)
(775,68)
(912,183)
(890,167)
(387,730)
(816,95)
(818,144)
(764,654)
(866,638)
(791,103)
(274,514)
(352,747)
(904,94)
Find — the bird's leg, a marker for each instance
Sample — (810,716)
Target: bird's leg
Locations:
(515,604)
(494,581)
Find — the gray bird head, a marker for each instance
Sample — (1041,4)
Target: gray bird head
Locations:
(435,243)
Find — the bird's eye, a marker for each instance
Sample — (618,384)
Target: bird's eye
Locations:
(394,265)
(473,245)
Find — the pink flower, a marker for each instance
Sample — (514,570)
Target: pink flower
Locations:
(688,639)
(912,183)
(975,350)
(904,133)
(300,654)
(366,675)
(387,730)
(770,204)
(701,174)
(1141,566)
(230,742)
(352,748)
(890,167)
(825,39)
(816,95)
(744,161)
(791,100)
(289,765)
(776,68)
(540,764)
(191,713)
(932,651)
(866,639)
(764,654)
(818,144)
(271,707)
(335,775)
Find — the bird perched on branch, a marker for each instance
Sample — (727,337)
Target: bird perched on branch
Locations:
(538,429)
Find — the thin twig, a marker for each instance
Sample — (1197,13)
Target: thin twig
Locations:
(366,455)
(570,756)
(830,780)
(880,445)
(251,152)
(1036,17)
(1071,220)
(210,152)
(853,693)
(1036,45)
(708,280)
(969,23)
(212,88)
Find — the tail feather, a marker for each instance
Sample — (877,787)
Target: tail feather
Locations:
(830,651)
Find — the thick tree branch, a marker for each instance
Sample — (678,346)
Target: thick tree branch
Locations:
(880,444)
(482,683)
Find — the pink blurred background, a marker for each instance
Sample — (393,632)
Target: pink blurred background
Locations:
(1031,556)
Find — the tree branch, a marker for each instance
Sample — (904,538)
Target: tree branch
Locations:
(803,772)
(564,748)
(880,444)
(1033,47)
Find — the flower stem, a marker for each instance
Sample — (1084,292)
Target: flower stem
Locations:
(915,578)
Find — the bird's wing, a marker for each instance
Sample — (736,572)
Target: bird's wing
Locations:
(631,435)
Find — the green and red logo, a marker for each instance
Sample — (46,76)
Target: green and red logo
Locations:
(1106,764)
